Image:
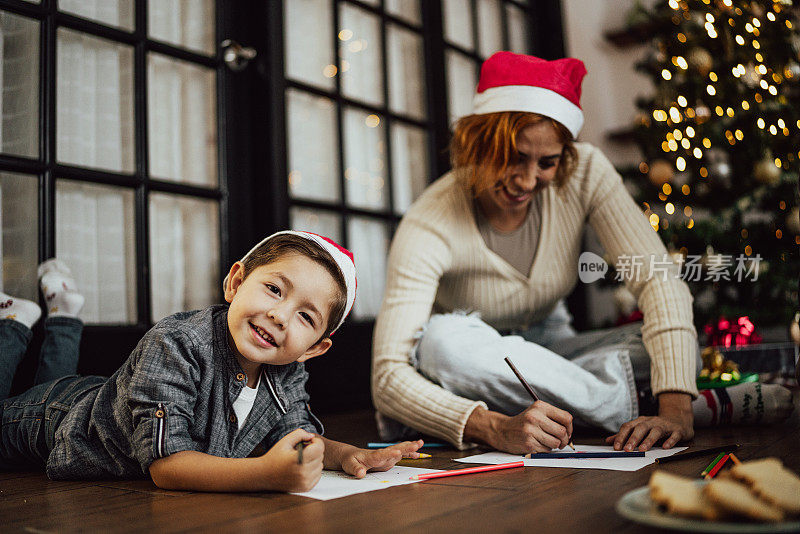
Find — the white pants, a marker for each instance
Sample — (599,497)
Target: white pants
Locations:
(592,375)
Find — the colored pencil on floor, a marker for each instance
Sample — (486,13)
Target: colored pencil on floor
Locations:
(735,460)
(528,387)
(610,454)
(381,444)
(717,467)
(467,471)
(710,466)
(699,452)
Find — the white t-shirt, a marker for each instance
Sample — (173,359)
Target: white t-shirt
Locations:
(244,402)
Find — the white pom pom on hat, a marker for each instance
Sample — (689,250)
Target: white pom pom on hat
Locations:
(517,82)
(343,258)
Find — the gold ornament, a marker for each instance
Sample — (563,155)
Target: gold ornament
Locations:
(793,220)
(794,330)
(701,59)
(765,170)
(661,171)
(716,367)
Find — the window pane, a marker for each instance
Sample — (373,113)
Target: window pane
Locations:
(112,12)
(361,62)
(461,83)
(94,92)
(313,147)
(186,23)
(184,254)
(324,223)
(309,42)
(95,238)
(405,9)
(409,164)
(18,235)
(181,121)
(19,72)
(364,159)
(490,30)
(406,72)
(369,241)
(517,30)
(457,16)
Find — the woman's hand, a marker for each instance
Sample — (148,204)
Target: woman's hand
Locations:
(540,428)
(674,423)
(358,461)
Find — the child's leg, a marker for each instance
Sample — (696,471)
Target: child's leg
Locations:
(60,349)
(30,420)
(17,316)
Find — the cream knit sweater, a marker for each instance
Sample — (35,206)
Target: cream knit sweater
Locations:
(438,263)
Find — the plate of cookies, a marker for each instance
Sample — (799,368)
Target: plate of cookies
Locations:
(755,496)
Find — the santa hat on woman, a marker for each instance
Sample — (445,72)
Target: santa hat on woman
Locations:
(516,82)
(341,256)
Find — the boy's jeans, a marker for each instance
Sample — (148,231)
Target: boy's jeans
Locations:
(30,420)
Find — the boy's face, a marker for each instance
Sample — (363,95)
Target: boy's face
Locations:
(279,311)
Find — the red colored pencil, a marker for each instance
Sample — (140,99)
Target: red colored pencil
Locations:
(716,468)
(467,470)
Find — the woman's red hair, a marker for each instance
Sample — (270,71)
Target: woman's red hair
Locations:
(485,146)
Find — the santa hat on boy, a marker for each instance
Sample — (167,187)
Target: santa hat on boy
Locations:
(516,82)
(342,257)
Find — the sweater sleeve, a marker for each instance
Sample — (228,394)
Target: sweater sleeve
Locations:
(668,331)
(418,257)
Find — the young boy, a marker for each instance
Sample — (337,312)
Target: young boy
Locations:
(209,400)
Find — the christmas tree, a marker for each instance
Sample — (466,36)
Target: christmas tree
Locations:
(720,138)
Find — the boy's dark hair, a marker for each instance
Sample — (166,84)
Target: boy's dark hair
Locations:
(285,244)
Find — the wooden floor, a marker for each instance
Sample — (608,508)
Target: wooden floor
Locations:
(529,499)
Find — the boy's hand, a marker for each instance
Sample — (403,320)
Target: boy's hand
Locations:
(358,461)
(283,469)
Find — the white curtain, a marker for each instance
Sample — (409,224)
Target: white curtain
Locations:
(94,224)
(94,238)
(19,83)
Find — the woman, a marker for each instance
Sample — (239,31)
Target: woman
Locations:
(500,235)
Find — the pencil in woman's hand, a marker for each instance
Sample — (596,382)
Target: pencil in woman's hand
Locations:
(527,386)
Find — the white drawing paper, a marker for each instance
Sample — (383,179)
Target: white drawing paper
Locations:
(613,464)
(335,484)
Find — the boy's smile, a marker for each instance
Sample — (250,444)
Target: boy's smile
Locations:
(279,312)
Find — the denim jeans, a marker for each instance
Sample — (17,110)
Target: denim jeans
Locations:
(58,356)
(29,420)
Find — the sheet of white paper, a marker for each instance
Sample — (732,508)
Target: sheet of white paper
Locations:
(335,484)
(614,464)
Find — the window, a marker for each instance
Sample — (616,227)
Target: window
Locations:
(362,141)
(116,169)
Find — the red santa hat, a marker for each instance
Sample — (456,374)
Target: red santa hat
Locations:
(516,82)
(343,258)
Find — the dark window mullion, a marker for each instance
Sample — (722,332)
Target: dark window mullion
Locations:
(47,132)
(473,6)
(223,87)
(436,87)
(338,208)
(387,134)
(345,210)
(141,215)
(504,23)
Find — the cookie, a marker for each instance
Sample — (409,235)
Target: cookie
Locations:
(771,481)
(681,496)
(735,497)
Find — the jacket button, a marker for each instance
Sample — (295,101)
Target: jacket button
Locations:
(240,377)
(159,413)
(232,418)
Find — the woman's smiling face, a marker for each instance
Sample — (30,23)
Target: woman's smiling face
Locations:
(539,154)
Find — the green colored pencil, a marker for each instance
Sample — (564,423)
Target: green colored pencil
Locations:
(712,464)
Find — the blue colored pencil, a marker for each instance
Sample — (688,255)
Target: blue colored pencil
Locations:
(614,454)
(378,445)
